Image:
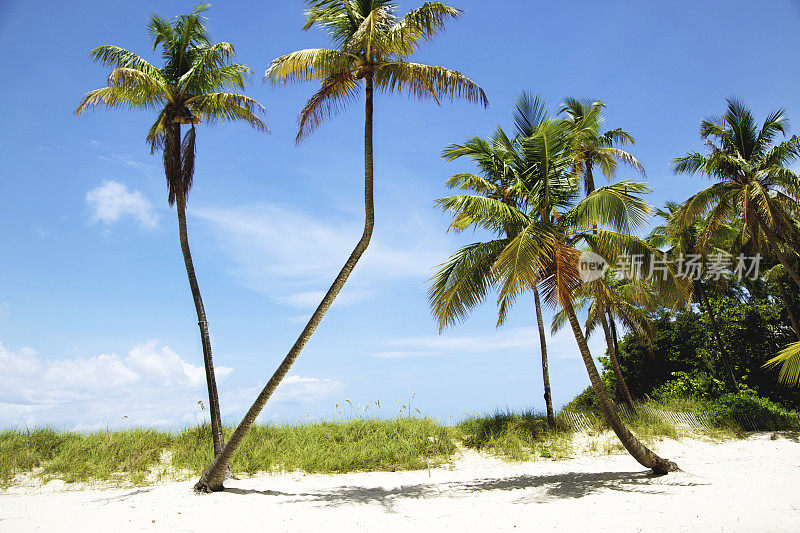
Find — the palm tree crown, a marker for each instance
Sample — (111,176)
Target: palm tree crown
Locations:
(752,181)
(187,89)
(371,43)
(592,148)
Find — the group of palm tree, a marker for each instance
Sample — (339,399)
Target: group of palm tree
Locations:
(370,47)
(526,197)
(534,192)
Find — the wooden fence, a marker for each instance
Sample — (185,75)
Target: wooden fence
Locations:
(695,421)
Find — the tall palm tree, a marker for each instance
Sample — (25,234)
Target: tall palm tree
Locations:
(548,255)
(592,147)
(681,240)
(506,170)
(371,44)
(188,88)
(752,183)
(544,253)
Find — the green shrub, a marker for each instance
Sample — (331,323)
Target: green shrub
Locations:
(750,412)
(699,385)
(515,436)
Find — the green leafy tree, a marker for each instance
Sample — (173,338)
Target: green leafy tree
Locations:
(371,44)
(189,88)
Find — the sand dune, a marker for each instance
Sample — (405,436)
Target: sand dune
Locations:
(741,485)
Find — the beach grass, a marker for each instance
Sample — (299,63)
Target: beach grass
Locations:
(142,456)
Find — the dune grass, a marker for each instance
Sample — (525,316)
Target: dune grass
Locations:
(325,447)
(131,456)
(140,456)
(518,437)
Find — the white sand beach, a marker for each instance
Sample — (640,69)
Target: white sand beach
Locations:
(738,485)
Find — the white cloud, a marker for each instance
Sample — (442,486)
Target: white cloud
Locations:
(562,345)
(293,255)
(152,385)
(299,389)
(113,200)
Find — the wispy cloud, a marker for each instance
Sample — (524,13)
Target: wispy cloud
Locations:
(112,200)
(560,346)
(293,255)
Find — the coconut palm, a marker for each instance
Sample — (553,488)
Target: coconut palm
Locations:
(507,167)
(592,148)
(544,252)
(680,241)
(189,88)
(607,300)
(548,255)
(371,44)
(752,183)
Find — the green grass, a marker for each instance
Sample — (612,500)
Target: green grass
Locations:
(325,447)
(140,456)
(130,456)
(517,437)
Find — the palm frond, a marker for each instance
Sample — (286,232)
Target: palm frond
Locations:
(789,361)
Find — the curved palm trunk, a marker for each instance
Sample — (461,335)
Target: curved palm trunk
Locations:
(639,451)
(548,400)
(612,353)
(726,359)
(172,156)
(214,476)
(789,310)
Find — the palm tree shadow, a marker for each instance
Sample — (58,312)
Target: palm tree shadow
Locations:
(551,487)
(123,497)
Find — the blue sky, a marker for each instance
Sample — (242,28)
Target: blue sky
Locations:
(96,320)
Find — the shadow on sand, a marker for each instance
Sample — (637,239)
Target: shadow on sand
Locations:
(537,489)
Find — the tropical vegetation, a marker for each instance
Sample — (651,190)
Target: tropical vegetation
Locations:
(697,300)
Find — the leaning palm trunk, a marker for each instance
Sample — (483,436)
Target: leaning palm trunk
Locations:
(548,399)
(639,451)
(214,476)
(726,359)
(175,164)
(612,353)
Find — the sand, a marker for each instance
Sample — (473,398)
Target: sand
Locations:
(738,485)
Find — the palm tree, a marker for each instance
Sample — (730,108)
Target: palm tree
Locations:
(548,255)
(592,148)
(371,44)
(543,252)
(606,300)
(679,240)
(188,89)
(506,169)
(752,182)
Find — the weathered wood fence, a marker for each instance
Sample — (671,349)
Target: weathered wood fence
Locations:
(696,421)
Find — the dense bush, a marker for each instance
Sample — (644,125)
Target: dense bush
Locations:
(750,412)
(684,361)
(700,385)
